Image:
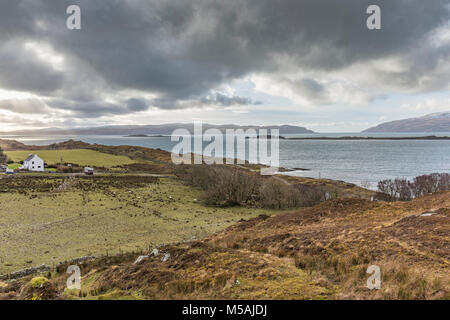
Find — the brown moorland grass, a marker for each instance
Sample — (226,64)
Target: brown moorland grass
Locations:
(314,253)
(339,239)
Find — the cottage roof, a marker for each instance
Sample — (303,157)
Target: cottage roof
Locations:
(31,156)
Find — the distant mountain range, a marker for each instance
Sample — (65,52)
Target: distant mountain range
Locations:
(435,122)
(162,129)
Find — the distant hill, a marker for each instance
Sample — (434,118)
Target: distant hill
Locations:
(162,129)
(435,122)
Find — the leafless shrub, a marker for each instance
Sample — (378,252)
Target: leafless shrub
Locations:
(275,194)
(403,190)
(67,184)
(231,186)
(431,183)
(387,187)
(366,184)
(312,195)
(196,175)
(444,182)
(3,157)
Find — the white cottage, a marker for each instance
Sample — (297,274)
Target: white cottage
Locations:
(33,163)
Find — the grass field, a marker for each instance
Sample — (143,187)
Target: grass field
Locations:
(82,157)
(321,252)
(14,166)
(100,215)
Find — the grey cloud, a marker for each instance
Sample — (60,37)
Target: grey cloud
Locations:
(97,108)
(224,100)
(137,105)
(8,120)
(311,89)
(21,70)
(216,98)
(23,106)
(182,50)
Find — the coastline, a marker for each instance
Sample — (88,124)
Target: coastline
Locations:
(357,138)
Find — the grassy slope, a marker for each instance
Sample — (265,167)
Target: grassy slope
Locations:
(337,240)
(40,226)
(81,157)
(314,253)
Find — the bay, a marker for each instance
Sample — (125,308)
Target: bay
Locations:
(363,162)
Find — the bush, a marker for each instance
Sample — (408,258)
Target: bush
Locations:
(312,195)
(227,186)
(274,194)
(387,187)
(431,183)
(3,157)
(231,186)
(38,281)
(403,190)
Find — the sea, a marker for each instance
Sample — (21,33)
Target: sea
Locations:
(362,162)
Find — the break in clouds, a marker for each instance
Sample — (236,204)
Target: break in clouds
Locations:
(132,56)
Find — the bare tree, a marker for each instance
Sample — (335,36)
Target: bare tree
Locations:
(387,187)
(404,190)
(3,157)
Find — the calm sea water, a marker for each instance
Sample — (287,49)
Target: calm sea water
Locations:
(361,162)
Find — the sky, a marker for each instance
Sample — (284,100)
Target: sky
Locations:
(312,63)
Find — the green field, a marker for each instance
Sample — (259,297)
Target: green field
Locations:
(14,166)
(82,157)
(100,215)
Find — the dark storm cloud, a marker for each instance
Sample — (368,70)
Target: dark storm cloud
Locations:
(180,50)
(137,104)
(20,69)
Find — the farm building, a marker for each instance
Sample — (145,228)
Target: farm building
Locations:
(33,163)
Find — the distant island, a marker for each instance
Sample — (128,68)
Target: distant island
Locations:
(145,136)
(266,137)
(371,138)
(353,138)
(435,122)
(151,130)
